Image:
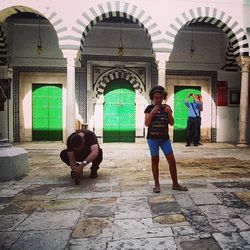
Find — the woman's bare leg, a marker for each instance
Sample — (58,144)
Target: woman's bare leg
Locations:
(172,168)
(155,169)
(173,172)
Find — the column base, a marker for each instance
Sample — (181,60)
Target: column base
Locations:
(13,163)
(242,145)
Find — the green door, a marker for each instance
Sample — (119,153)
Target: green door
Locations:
(47,112)
(181,110)
(119,112)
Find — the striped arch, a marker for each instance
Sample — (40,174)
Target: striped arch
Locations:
(111,9)
(213,16)
(3,47)
(231,64)
(118,73)
(52,16)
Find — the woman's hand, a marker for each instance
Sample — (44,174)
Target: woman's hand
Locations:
(168,109)
(155,110)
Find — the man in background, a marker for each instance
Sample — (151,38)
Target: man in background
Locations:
(193,122)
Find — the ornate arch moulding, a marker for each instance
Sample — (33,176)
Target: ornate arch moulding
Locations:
(117,73)
(105,10)
(218,18)
(45,10)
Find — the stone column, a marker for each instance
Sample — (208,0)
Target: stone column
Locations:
(243,118)
(161,59)
(70,55)
(98,116)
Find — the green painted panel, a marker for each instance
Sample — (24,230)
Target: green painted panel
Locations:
(119,112)
(46,112)
(181,110)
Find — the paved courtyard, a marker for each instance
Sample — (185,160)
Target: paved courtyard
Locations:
(118,210)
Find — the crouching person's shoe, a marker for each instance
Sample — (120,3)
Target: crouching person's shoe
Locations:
(93,174)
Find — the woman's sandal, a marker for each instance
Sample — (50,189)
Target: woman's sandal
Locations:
(156,189)
(180,188)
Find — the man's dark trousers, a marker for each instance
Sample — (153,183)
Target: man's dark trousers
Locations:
(193,130)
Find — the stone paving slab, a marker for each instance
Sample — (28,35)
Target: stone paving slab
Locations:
(165,208)
(205,199)
(209,243)
(11,221)
(240,224)
(100,211)
(138,223)
(42,240)
(143,233)
(50,220)
(57,205)
(246,236)
(87,244)
(92,227)
(183,230)
(132,207)
(215,212)
(224,226)
(184,200)
(143,244)
(7,239)
(119,210)
(231,241)
(21,207)
(170,220)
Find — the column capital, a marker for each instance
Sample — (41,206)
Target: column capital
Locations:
(70,55)
(161,59)
(244,63)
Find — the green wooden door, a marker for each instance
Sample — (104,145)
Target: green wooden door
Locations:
(181,110)
(119,112)
(46,112)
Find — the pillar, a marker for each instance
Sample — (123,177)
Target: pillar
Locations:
(161,59)
(243,118)
(70,55)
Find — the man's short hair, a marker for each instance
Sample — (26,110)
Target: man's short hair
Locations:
(76,141)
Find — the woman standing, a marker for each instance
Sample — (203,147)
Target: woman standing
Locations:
(157,118)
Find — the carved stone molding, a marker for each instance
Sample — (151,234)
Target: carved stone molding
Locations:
(244,62)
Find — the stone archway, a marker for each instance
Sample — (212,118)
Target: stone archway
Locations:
(102,11)
(218,18)
(12,7)
(140,100)
(117,73)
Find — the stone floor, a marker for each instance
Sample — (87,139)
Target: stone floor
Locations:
(118,210)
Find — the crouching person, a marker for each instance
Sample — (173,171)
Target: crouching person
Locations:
(82,149)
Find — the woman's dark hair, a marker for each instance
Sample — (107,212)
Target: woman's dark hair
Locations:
(157,89)
(76,140)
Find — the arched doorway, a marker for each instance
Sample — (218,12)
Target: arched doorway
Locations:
(47,124)
(119,112)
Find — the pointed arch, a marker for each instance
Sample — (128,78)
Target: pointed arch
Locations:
(118,73)
(103,11)
(213,16)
